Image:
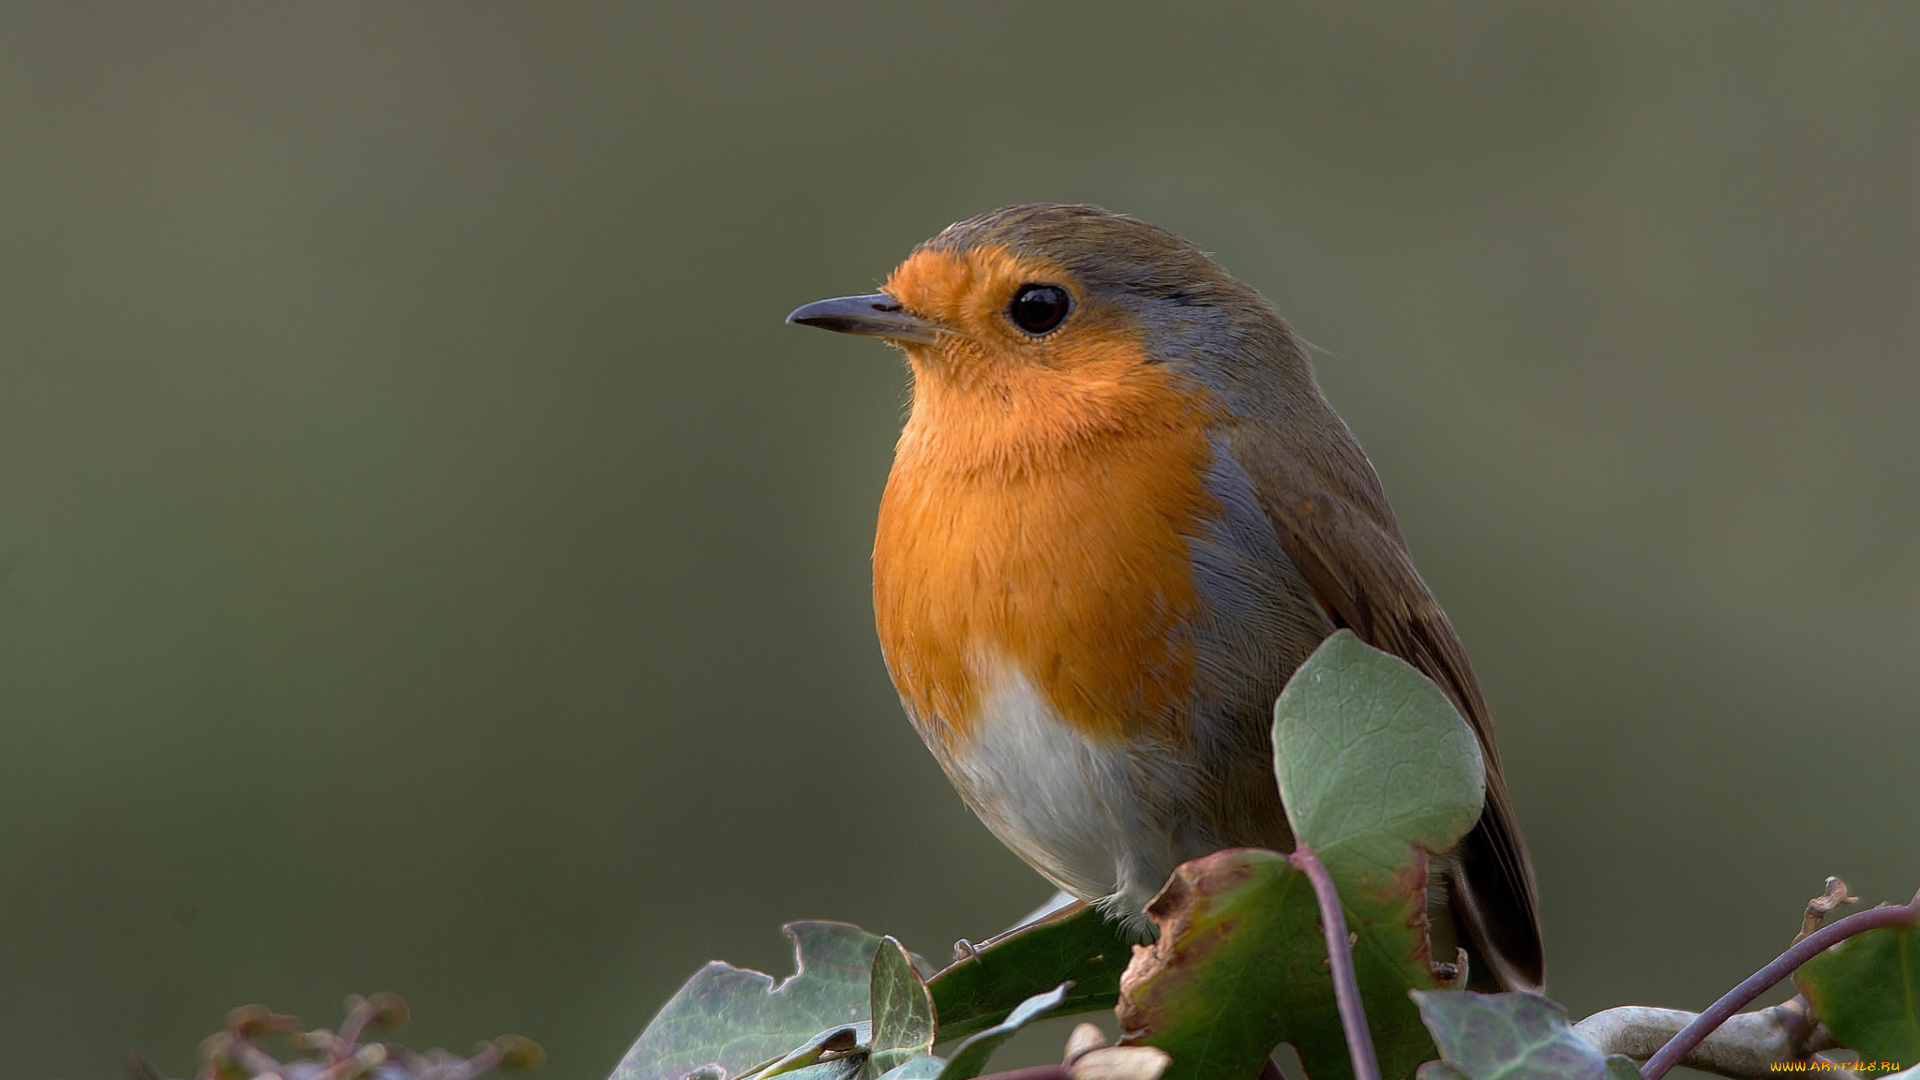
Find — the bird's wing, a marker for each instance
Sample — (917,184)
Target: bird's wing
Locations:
(1326,506)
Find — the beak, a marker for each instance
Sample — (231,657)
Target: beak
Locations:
(878,315)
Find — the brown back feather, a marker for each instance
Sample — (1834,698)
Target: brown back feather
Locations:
(1345,543)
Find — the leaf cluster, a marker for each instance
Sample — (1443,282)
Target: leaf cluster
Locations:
(1325,948)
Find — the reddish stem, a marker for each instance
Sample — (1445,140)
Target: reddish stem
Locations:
(1346,986)
(1761,981)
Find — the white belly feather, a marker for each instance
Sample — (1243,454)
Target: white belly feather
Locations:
(1065,802)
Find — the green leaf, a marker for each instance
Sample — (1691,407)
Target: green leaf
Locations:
(1510,1037)
(1372,757)
(970,1058)
(1621,1067)
(845,1044)
(902,1010)
(838,1068)
(1076,944)
(739,1020)
(1236,950)
(1867,991)
(1241,966)
(924,1067)
(1376,768)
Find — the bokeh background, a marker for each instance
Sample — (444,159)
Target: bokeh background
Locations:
(428,563)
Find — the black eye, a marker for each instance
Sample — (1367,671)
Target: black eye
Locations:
(1039,308)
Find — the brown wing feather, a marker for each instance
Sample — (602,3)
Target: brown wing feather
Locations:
(1343,540)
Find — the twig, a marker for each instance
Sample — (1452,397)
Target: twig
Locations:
(1822,906)
(1346,987)
(1745,1047)
(1760,981)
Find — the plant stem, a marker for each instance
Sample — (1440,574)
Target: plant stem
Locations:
(1747,1046)
(1760,981)
(1346,986)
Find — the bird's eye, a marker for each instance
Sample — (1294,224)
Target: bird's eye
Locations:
(1039,308)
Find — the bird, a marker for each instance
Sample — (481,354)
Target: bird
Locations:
(1120,514)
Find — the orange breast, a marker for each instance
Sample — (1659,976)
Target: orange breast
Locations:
(1038,515)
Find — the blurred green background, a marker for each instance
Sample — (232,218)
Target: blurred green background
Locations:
(427,563)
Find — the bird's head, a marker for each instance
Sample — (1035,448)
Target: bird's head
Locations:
(1025,304)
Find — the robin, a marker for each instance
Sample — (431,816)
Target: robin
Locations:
(1121,513)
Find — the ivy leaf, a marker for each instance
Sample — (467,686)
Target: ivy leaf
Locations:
(1376,769)
(1510,1037)
(1621,1067)
(924,1067)
(731,1021)
(970,1058)
(1237,948)
(1867,991)
(1372,757)
(834,1054)
(902,1010)
(1076,944)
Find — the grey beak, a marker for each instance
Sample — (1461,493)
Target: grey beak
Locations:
(878,315)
